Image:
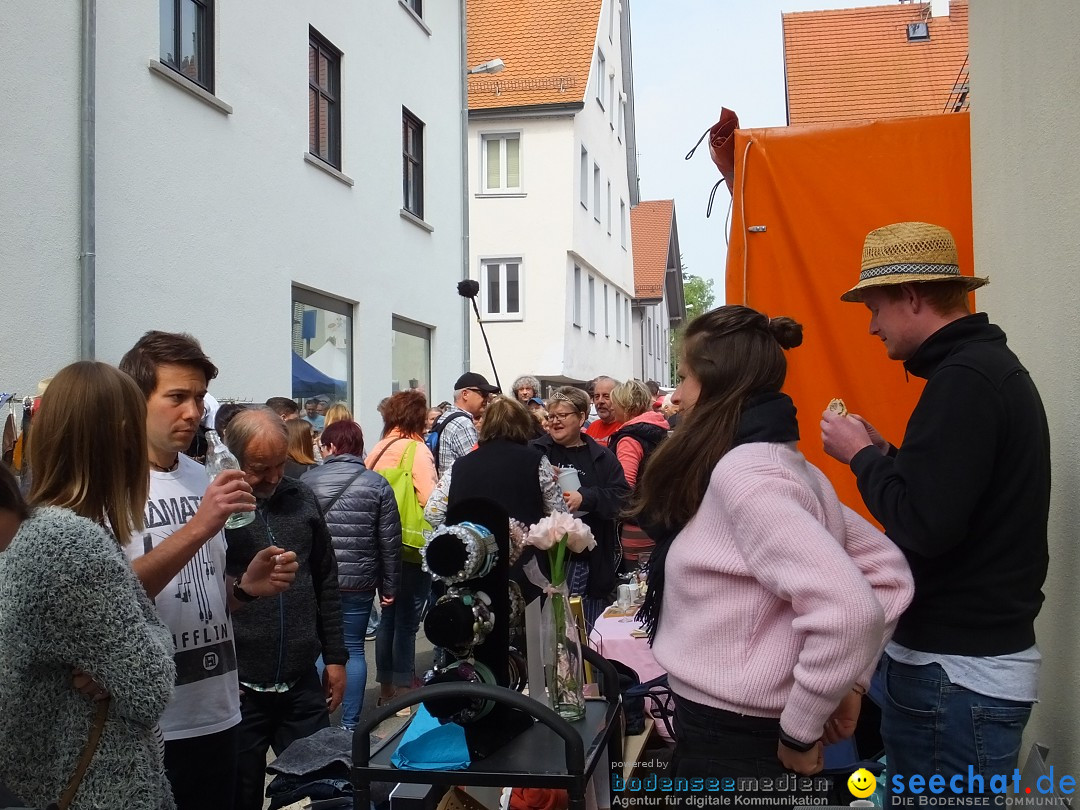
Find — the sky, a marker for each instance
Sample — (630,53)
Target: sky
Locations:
(691,58)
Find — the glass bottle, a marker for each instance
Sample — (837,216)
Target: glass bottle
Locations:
(219,458)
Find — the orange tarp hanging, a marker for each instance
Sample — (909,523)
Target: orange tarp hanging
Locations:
(804,199)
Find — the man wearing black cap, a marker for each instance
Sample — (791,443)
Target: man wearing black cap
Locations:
(457,434)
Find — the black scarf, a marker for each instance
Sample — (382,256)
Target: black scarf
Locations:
(768,417)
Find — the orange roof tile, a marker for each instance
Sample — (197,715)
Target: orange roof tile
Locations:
(854,64)
(547,46)
(650,233)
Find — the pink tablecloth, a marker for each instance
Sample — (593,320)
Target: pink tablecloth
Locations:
(611,638)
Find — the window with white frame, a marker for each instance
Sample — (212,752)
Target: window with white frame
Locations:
(601,76)
(618,317)
(501,160)
(596,191)
(622,222)
(592,305)
(500,287)
(577,296)
(609,208)
(607,319)
(611,96)
(626,320)
(584,177)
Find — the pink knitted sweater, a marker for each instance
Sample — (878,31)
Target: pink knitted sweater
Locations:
(778,597)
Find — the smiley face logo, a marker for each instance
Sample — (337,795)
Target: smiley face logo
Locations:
(861,783)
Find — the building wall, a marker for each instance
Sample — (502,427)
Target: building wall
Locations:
(206,221)
(652,358)
(39,193)
(548,227)
(1026,199)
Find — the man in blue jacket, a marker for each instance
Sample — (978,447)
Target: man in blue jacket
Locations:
(966,497)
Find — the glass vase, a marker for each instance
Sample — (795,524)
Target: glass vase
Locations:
(564,670)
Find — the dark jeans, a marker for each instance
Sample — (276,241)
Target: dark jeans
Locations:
(274,719)
(930,725)
(715,744)
(395,640)
(202,770)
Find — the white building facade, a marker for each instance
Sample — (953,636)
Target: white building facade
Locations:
(550,193)
(269,206)
(659,304)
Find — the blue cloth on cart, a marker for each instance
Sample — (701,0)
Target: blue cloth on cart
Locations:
(428,745)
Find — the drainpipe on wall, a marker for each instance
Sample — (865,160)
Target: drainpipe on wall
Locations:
(464,71)
(87,211)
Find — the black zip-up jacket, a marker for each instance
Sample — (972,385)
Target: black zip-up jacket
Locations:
(603,499)
(278,638)
(967,494)
(364,523)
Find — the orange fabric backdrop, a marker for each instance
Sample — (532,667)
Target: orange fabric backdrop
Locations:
(818,190)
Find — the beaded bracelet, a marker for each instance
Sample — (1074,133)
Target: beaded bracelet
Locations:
(467,672)
(480,546)
(483,619)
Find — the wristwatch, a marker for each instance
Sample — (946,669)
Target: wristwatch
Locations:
(240,593)
(795,745)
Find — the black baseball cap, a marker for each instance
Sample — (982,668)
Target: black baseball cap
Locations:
(471,379)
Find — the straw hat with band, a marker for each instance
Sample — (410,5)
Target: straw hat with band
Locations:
(909,252)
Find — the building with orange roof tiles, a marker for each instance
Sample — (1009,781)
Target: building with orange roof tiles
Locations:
(879,62)
(552,180)
(658,291)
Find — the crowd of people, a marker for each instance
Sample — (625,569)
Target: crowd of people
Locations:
(142,633)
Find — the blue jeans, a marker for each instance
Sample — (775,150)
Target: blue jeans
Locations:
(930,725)
(395,640)
(355,609)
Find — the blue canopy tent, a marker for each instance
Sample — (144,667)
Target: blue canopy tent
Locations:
(307,381)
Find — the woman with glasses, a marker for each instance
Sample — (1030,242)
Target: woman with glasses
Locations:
(599,500)
(769,601)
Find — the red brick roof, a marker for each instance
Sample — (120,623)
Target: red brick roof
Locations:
(547,46)
(855,64)
(650,230)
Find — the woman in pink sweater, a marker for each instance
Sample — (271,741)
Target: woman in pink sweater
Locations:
(769,600)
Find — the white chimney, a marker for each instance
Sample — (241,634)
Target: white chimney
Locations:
(939,8)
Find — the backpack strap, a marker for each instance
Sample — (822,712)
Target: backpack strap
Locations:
(438,428)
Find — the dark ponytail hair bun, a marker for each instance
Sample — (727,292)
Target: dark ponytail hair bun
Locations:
(788,333)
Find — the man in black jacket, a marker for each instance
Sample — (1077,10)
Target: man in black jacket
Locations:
(966,496)
(279,639)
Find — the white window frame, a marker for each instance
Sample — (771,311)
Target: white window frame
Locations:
(609,208)
(592,305)
(626,320)
(601,78)
(584,177)
(502,137)
(500,263)
(618,317)
(577,296)
(596,180)
(607,316)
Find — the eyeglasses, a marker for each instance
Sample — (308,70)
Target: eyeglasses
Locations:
(561,417)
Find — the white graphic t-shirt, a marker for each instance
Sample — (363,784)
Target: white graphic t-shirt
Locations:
(194,607)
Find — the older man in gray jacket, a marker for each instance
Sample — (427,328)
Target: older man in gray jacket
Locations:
(279,639)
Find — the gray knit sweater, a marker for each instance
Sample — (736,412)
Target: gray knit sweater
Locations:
(69,599)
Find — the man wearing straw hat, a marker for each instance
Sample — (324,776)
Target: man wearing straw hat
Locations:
(966,496)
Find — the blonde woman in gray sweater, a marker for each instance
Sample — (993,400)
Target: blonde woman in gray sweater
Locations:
(76,627)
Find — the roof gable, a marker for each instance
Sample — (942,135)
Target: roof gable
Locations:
(650,229)
(547,46)
(854,64)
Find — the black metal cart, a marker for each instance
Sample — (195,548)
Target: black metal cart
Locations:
(551,753)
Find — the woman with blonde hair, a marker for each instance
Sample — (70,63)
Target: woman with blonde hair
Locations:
(784,596)
(72,612)
(337,412)
(641,433)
